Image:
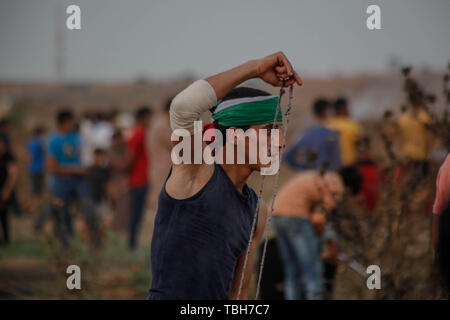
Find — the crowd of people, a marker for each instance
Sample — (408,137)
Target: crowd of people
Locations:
(96,168)
(334,158)
(327,156)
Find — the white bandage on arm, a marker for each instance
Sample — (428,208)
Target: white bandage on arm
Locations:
(190,103)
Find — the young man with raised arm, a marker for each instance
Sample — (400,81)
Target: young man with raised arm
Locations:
(205,211)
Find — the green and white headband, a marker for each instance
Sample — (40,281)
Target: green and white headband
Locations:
(246,111)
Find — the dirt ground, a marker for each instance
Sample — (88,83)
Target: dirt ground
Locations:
(34,266)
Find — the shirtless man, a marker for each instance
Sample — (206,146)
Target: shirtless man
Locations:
(205,211)
(299,219)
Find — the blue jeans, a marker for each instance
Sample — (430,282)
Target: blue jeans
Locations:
(67,188)
(138,197)
(300,253)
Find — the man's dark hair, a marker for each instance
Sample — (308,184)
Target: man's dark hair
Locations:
(443,251)
(142,112)
(244,92)
(352,178)
(340,104)
(64,115)
(237,93)
(320,106)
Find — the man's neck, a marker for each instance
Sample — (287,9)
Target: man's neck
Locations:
(238,174)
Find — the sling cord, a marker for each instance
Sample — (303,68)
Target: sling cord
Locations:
(269,216)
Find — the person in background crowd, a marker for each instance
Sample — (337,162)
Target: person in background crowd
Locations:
(102,131)
(86,125)
(411,127)
(349,132)
(300,220)
(139,172)
(111,117)
(442,199)
(68,178)
(125,122)
(8,178)
(119,159)
(441,222)
(443,247)
(97,176)
(36,169)
(5,135)
(369,173)
(318,147)
(160,146)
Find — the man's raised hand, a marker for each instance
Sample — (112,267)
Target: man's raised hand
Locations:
(276,70)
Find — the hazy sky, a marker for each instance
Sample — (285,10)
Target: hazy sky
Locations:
(124,39)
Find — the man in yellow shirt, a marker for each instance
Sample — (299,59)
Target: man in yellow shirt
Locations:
(349,132)
(414,137)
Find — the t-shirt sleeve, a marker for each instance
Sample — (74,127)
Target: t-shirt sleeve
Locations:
(442,187)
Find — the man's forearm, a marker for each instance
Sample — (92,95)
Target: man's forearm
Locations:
(201,95)
(224,82)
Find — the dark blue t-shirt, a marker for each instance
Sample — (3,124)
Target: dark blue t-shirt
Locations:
(37,152)
(197,241)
